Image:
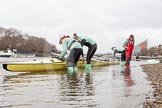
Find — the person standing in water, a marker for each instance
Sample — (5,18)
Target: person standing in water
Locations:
(75,49)
(129,46)
(92,47)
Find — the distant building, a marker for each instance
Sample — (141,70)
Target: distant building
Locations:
(137,50)
(143,44)
(139,47)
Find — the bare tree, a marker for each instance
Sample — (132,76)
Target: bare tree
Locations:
(23,42)
(153,51)
(144,52)
(159,49)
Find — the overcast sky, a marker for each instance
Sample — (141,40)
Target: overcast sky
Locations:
(109,22)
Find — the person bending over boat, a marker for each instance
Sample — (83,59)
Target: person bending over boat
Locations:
(129,46)
(75,49)
(92,47)
(115,50)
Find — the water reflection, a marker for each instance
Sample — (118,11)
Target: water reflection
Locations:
(77,89)
(128,81)
(127,77)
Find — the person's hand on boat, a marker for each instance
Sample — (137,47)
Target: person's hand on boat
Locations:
(62,59)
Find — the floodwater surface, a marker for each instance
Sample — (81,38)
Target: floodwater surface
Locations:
(105,87)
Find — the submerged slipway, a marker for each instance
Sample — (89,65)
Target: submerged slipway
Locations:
(106,87)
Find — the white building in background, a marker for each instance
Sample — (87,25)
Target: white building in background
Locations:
(137,50)
(139,47)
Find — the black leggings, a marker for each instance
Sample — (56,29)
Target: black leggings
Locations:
(123,56)
(91,50)
(74,57)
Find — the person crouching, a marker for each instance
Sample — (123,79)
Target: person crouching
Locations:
(75,49)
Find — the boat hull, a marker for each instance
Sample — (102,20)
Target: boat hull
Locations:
(37,67)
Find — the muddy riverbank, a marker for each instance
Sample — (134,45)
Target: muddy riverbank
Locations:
(154,72)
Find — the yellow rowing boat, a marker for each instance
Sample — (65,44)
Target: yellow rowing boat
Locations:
(46,65)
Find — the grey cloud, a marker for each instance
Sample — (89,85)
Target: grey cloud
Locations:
(109,22)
